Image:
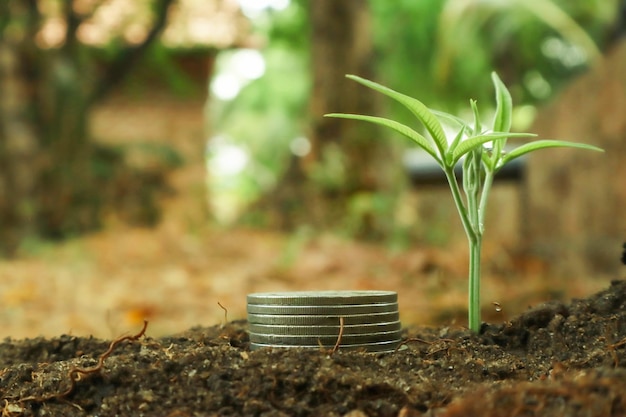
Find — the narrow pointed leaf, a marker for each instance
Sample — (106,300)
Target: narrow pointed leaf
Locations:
(453,145)
(477,125)
(404,130)
(502,117)
(471,143)
(449,117)
(544,144)
(416,107)
(504,106)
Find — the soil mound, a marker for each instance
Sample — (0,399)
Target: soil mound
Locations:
(555,360)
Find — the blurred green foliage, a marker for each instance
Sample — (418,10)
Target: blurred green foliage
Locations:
(445,50)
(269,112)
(442,51)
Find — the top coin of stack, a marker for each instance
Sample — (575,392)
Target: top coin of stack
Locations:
(312,319)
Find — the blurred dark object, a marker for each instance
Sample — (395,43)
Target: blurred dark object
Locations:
(624,254)
(618,31)
(423,170)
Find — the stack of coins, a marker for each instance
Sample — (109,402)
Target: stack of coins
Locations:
(313,319)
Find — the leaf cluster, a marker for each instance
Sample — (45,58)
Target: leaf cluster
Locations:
(483,153)
(469,138)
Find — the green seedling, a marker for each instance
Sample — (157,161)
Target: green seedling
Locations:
(482,152)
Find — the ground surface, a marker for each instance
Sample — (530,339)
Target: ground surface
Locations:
(556,359)
(106,284)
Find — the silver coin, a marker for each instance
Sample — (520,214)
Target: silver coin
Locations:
(387,346)
(323,330)
(322,319)
(319,298)
(335,310)
(312,339)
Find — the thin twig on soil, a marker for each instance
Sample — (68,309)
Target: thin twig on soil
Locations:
(75,373)
(415,339)
(336,347)
(412,339)
(225,313)
(614,347)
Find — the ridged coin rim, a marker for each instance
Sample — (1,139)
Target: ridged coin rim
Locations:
(319,298)
(336,310)
(322,319)
(311,339)
(379,347)
(349,329)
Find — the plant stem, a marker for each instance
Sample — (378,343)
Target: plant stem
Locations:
(474,237)
(458,201)
(474,284)
(475,246)
(482,207)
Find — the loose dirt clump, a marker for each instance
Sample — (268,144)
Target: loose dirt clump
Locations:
(554,360)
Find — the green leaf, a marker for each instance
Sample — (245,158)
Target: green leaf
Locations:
(504,106)
(543,144)
(404,130)
(449,117)
(479,140)
(502,118)
(477,125)
(416,107)
(453,145)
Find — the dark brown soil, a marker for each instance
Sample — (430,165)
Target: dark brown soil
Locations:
(554,360)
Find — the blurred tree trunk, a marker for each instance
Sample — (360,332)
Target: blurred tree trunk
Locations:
(18,150)
(338,182)
(49,162)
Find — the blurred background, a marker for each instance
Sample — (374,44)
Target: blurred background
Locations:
(160,156)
